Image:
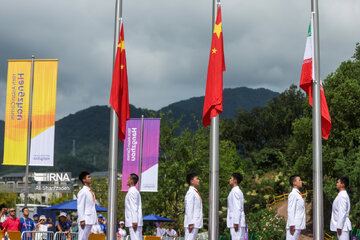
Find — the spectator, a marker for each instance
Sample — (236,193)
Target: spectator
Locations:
(12,223)
(68,221)
(160,231)
(27,224)
(96,229)
(102,223)
(170,232)
(36,218)
(61,225)
(3,212)
(74,227)
(42,226)
(121,232)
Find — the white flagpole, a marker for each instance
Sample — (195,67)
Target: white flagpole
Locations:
(214,162)
(113,143)
(318,221)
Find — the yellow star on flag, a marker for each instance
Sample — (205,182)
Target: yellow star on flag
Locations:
(214,50)
(122,67)
(121,45)
(218,29)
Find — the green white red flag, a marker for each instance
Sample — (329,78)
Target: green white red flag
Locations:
(306,82)
(119,97)
(214,84)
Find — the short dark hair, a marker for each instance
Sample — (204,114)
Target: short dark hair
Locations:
(238,177)
(82,176)
(22,210)
(190,177)
(292,179)
(344,180)
(134,177)
(2,206)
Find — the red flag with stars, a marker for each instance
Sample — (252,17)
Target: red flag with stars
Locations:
(214,84)
(119,97)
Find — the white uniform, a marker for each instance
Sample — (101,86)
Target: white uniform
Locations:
(193,213)
(340,215)
(235,213)
(86,211)
(160,232)
(296,214)
(171,233)
(121,233)
(133,213)
(96,229)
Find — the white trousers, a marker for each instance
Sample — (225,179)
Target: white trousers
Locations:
(192,235)
(344,235)
(84,233)
(135,235)
(239,235)
(292,237)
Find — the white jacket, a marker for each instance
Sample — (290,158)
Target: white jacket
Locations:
(133,208)
(296,210)
(86,206)
(340,212)
(193,208)
(235,211)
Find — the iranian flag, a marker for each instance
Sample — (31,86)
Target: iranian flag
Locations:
(306,82)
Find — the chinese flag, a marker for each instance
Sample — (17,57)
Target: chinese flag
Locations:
(119,97)
(214,85)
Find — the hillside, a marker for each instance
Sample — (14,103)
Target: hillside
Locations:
(89,128)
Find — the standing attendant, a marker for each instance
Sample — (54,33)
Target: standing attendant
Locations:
(340,222)
(3,213)
(193,220)
(133,209)
(235,213)
(86,207)
(296,210)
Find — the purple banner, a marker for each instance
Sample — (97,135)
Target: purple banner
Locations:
(150,154)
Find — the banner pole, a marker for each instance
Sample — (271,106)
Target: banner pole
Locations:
(141,149)
(214,162)
(26,201)
(318,220)
(113,143)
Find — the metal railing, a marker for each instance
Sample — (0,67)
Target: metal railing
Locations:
(66,236)
(37,235)
(283,197)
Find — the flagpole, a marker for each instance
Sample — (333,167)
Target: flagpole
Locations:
(26,201)
(141,150)
(214,162)
(318,221)
(113,142)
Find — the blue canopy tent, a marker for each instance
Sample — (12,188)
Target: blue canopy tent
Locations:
(72,206)
(156,218)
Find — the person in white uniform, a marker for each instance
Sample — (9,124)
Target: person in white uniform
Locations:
(340,222)
(160,230)
(86,207)
(170,232)
(296,210)
(193,220)
(235,219)
(133,209)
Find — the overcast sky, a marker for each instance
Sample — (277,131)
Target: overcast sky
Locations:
(167,45)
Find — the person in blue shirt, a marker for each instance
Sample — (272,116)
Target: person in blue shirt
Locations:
(27,224)
(101,223)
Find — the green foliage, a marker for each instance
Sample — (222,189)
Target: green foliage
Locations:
(266,224)
(8,199)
